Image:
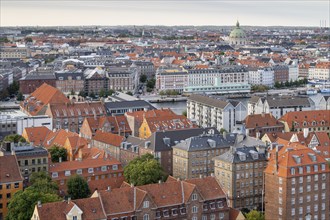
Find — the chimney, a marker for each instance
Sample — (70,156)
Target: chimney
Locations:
(212,174)
(159,181)
(276,159)
(224,134)
(109,188)
(305,132)
(60,160)
(69,200)
(200,176)
(39,204)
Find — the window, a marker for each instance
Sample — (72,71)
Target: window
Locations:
(293,171)
(316,168)
(293,181)
(90,170)
(8,195)
(115,167)
(293,211)
(194,209)
(308,169)
(316,197)
(204,217)
(301,180)
(166,213)
(221,215)
(212,217)
(54,175)
(183,210)
(104,168)
(146,217)
(316,177)
(174,212)
(280,211)
(79,171)
(194,197)
(280,180)
(146,204)
(67,173)
(301,210)
(293,201)
(16,185)
(322,167)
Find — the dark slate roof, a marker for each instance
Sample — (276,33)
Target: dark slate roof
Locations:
(66,74)
(204,142)
(164,140)
(208,100)
(39,76)
(128,104)
(233,155)
(288,101)
(254,99)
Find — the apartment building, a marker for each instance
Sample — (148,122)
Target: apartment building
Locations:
(171,79)
(320,71)
(240,174)
(123,79)
(14,52)
(94,170)
(174,199)
(11,181)
(281,73)
(70,81)
(279,105)
(263,76)
(30,159)
(258,124)
(210,111)
(317,120)
(193,156)
(95,81)
(296,185)
(108,142)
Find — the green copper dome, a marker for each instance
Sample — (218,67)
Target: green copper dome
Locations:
(237,32)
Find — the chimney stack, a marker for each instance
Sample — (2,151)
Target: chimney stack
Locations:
(39,204)
(60,160)
(69,200)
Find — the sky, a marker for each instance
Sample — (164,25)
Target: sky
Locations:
(164,12)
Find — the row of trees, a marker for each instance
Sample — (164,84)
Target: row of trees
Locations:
(169,92)
(259,88)
(291,83)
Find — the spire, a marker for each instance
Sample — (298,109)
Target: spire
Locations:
(237,24)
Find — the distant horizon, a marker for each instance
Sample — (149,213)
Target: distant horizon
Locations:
(264,13)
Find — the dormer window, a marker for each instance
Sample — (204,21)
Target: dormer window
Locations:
(115,167)
(67,173)
(79,171)
(54,174)
(104,168)
(146,204)
(194,196)
(90,170)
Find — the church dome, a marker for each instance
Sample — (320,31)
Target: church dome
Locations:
(237,32)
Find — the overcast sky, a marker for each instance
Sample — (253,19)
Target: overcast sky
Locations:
(164,12)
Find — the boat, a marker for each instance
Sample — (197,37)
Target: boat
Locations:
(325,90)
(311,92)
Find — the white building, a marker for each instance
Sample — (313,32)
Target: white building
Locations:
(15,121)
(293,70)
(212,112)
(264,76)
(320,71)
(171,79)
(279,105)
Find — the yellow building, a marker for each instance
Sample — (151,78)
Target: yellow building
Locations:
(11,181)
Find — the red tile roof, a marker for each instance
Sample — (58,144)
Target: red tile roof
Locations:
(261,120)
(9,171)
(306,119)
(37,135)
(108,138)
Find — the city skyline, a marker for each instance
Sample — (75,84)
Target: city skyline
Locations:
(174,12)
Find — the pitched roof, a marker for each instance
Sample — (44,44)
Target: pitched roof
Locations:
(261,120)
(207,100)
(37,102)
(320,117)
(37,135)
(9,171)
(172,122)
(108,138)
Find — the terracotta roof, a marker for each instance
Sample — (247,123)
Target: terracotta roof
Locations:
(37,102)
(103,184)
(320,117)
(108,138)
(78,109)
(91,207)
(139,115)
(9,171)
(286,161)
(58,138)
(37,135)
(175,122)
(261,120)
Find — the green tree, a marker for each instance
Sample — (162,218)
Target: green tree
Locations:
(129,93)
(78,187)
(20,96)
(28,39)
(4,40)
(144,170)
(72,92)
(13,88)
(222,130)
(42,189)
(92,95)
(143,78)
(110,92)
(57,152)
(102,93)
(151,83)
(14,138)
(82,94)
(162,93)
(184,113)
(254,215)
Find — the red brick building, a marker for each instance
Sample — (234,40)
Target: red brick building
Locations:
(296,184)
